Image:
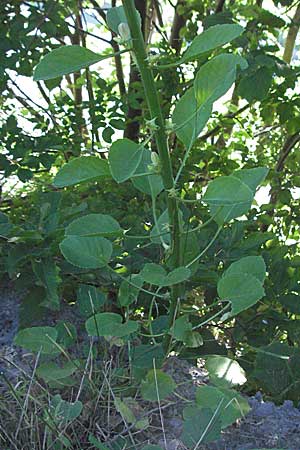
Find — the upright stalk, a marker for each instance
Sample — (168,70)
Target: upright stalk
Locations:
(141,57)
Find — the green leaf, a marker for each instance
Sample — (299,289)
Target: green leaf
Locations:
(124,158)
(162,228)
(252,177)
(212,38)
(224,372)
(67,333)
(148,184)
(89,299)
(94,225)
(291,302)
(199,427)
(109,324)
(157,386)
(216,76)
(50,371)
(190,119)
(64,60)
(255,86)
(277,370)
(212,81)
(63,411)
(114,17)
(143,355)
(156,274)
(82,169)
(253,265)
(86,252)
(38,339)
(241,290)
(128,293)
(232,404)
(228,198)
(124,410)
(48,277)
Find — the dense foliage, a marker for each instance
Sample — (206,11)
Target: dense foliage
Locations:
(129,195)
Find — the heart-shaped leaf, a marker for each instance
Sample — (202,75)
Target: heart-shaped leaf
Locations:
(94,225)
(109,324)
(86,252)
(157,385)
(38,339)
(124,158)
(82,169)
(64,60)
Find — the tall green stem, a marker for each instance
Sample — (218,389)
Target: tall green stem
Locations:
(155,111)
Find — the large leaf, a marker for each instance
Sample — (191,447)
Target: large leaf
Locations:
(129,293)
(232,405)
(253,265)
(216,76)
(148,184)
(277,370)
(64,60)
(241,289)
(124,158)
(252,177)
(50,371)
(189,118)
(64,412)
(228,198)
(82,169)
(224,372)
(200,426)
(89,299)
(86,252)
(38,339)
(94,225)
(109,324)
(157,386)
(212,81)
(156,274)
(47,274)
(213,37)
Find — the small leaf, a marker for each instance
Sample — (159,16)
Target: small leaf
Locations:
(109,324)
(114,17)
(128,293)
(148,184)
(157,386)
(212,38)
(64,60)
(242,290)
(94,225)
(124,158)
(82,169)
(38,339)
(124,410)
(224,372)
(162,228)
(86,252)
